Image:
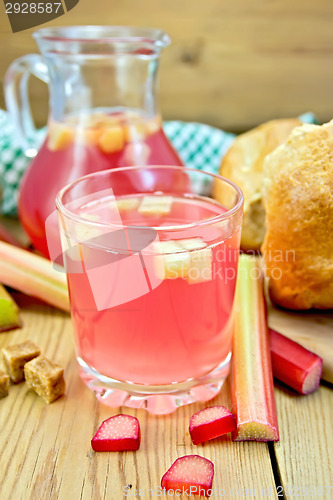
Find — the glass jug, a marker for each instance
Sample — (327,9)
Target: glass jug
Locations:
(103,112)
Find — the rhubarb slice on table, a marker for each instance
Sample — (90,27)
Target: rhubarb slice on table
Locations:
(9,311)
(118,433)
(211,423)
(252,391)
(34,275)
(294,365)
(190,475)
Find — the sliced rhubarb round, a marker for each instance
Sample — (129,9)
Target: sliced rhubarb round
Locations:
(189,475)
(211,423)
(118,433)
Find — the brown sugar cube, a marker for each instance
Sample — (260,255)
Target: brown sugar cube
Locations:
(15,356)
(4,384)
(45,377)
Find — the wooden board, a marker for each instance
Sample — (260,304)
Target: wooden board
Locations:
(45,450)
(305,447)
(231,64)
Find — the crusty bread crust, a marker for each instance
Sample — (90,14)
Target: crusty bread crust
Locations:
(298,199)
(243,164)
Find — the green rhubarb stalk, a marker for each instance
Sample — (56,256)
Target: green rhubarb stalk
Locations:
(34,275)
(252,391)
(9,311)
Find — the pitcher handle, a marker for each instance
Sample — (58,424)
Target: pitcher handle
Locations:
(17,99)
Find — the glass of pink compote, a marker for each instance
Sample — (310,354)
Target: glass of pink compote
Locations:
(151,278)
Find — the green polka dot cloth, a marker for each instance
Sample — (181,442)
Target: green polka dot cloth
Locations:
(13,163)
(200,147)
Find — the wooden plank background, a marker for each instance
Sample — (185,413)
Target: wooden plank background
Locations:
(231,64)
(45,450)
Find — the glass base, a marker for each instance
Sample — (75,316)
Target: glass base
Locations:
(159,399)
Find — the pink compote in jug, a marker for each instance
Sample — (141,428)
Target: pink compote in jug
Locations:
(103,113)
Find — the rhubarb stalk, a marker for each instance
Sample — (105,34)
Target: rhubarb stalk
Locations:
(253,402)
(34,275)
(294,365)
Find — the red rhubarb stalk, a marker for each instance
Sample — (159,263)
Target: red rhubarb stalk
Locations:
(253,402)
(294,365)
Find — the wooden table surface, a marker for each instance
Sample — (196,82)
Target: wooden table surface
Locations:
(45,451)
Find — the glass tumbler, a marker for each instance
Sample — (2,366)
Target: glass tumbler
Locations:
(151,277)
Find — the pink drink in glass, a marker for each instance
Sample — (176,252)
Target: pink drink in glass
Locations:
(179,333)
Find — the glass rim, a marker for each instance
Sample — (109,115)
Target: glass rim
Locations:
(205,222)
(104,34)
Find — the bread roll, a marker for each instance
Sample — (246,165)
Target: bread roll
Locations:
(243,164)
(298,199)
